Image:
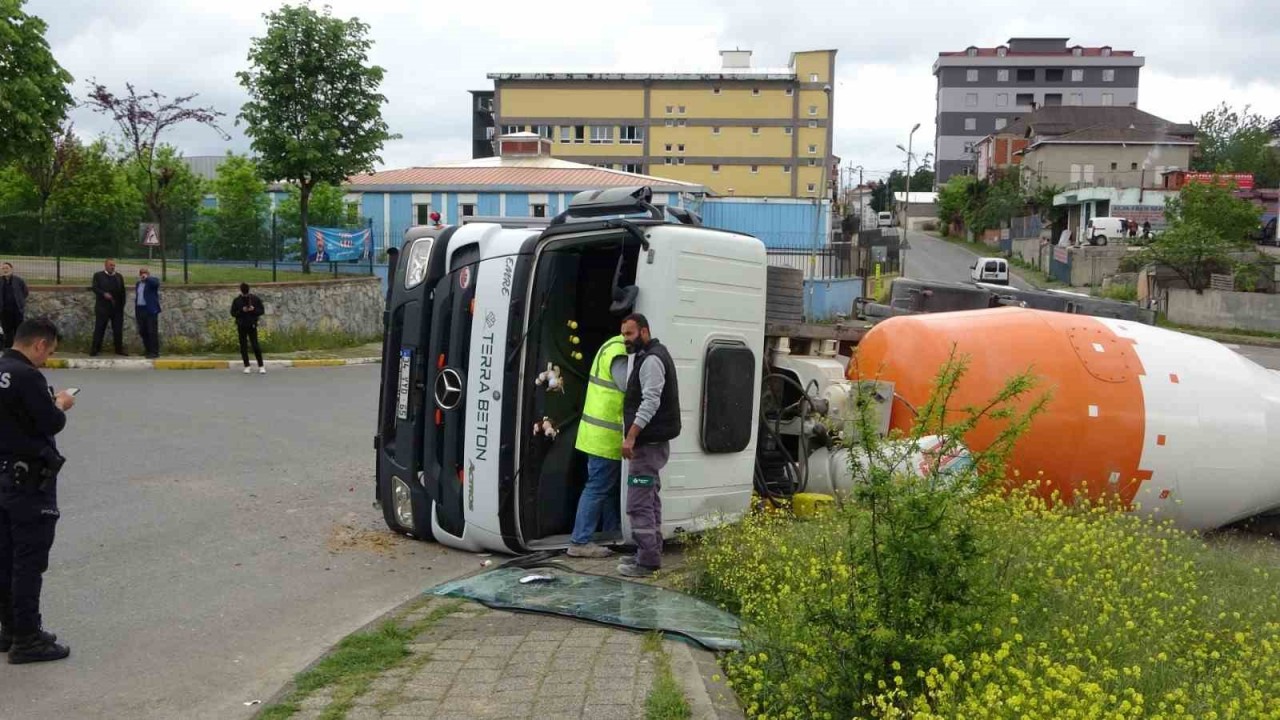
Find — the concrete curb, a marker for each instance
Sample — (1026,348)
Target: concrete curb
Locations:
(197,363)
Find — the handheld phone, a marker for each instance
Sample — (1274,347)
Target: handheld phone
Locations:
(73,391)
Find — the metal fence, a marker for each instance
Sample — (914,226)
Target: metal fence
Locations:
(191,254)
(818,263)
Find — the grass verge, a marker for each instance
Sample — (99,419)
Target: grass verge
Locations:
(1239,336)
(349,670)
(665,701)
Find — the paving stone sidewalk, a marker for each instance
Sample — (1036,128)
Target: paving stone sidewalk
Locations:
(482,663)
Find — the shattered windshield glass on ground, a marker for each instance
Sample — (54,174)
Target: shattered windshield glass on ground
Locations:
(557,590)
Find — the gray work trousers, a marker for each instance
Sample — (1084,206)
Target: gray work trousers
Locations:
(644,506)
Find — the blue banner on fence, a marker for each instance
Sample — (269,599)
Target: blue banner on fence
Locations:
(332,244)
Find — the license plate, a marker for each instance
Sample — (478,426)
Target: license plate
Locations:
(402,390)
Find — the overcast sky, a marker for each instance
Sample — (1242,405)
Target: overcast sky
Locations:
(1197,54)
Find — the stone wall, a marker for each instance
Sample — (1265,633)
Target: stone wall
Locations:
(1223,309)
(192,312)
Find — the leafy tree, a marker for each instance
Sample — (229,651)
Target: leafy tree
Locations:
(142,119)
(176,196)
(327,209)
(96,212)
(33,87)
(49,170)
(314,112)
(236,228)
(953,200)
(1207,226)
(1232,141)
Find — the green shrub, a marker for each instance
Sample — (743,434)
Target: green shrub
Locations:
(1124,292)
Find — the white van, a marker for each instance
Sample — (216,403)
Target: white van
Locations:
(991,270)
(884,219)
(1100,229)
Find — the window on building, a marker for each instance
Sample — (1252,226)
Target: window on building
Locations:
(813,109)
(786,169)
(422,213)
(1001,123)
(484,104)
(755,92)
(1088,173)
(813,149)
(1108,75)
(971,75)
(636,168)
(813,123)
(1002,51)
(573,133)
(1132,166)
(968,147)
(488,133)
(601,134)
(813,77)
(632,135)
(715,131)
(1106,51)
(812,187)
(679,161)
(789,92)
(715,168)
(755,131)
(680,110)
(1075,173)
(1077,98)
(670,123)
(538,209)
(1077,51)
(668,147)
(680,147)
(755,169)
(813,162)
(1077,76)
(1108,99)
(1113,166)
(971,51)
(715,90)
(545,131)
(787,130)
(1054,75)
(670,109)
(1026,75)
(682,123)
(971,123)
(566,134)
(1002,99)
(1052,99)
(511,129)
(467,210)
(1002,75)
(971,99)
(667,161)
(1024,99)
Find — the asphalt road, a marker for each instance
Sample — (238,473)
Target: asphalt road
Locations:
(217,535)
(932,259)
(1267,357)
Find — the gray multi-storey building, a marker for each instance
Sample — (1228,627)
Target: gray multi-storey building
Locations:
(481,123)
(980,90)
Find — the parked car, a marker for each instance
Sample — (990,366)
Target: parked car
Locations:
(990,270)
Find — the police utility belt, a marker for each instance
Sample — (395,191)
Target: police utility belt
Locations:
(32,471)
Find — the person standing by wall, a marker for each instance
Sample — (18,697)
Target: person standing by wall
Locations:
(600,438)
(651,415)
(13,303)
(147,312)
(30,416)
(108,307)
(246,309)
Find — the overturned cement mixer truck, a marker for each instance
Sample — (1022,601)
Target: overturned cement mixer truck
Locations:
(474,451)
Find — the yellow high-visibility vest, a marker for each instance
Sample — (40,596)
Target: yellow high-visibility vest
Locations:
(600,430)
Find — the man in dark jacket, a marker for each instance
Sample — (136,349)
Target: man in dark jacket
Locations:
(246,309)
(147,311)
(108,293)
(13,303)
(651,415)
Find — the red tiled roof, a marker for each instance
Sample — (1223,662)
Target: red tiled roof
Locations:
(586,178)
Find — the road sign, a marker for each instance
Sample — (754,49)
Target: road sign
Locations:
(150,234)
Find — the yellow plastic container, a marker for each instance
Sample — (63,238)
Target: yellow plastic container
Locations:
(807,505)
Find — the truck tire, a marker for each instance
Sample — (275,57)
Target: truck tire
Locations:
(1100,240)
(784,296)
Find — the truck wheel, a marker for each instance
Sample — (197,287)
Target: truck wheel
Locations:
(1100,240)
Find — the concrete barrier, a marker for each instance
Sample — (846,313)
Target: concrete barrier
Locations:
(1223,309)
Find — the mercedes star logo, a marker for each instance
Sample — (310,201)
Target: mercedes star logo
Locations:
(448,389)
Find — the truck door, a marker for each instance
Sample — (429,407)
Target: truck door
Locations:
(446,373)
(405,403)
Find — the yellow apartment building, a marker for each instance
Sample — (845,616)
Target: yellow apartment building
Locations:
(738,130)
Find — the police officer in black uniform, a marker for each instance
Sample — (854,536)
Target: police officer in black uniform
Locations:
(30,415)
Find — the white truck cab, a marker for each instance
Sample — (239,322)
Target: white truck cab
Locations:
(476,450)
(992,270)
(884,219)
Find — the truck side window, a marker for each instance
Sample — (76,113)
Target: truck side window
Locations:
(728,394)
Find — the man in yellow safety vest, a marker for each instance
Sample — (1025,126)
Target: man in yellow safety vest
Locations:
(600,437)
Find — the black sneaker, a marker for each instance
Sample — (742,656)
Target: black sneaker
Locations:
(6,638)
(34,648)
